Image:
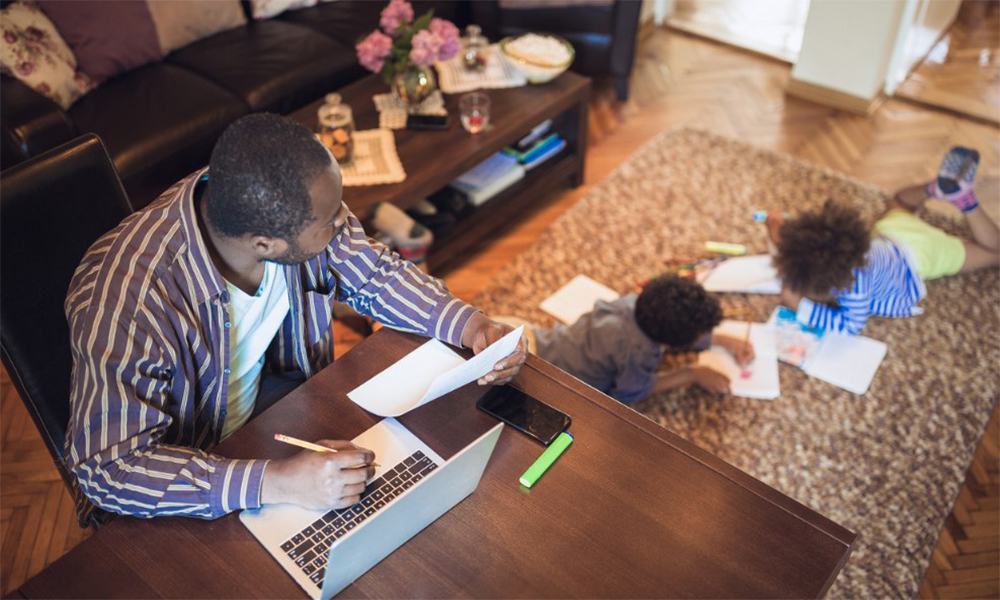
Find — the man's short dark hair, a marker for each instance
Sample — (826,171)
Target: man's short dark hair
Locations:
(819,250)
(259,177)
(675,311)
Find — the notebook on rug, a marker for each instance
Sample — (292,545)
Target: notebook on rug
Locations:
(761,379)
(324,551)
(847,361)
(577,298)
(747,274)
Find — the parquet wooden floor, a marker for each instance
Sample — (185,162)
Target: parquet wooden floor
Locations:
(962,71)
(678,80)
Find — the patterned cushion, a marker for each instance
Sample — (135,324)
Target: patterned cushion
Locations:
(180,22)
(33,51)
(265,9)
(108,36)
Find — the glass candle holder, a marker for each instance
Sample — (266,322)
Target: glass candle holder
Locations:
(474,47)
(474,109)
(336,122)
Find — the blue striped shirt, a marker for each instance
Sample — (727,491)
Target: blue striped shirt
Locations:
(886,286)
(150,340)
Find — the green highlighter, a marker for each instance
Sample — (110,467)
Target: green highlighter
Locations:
(546,459)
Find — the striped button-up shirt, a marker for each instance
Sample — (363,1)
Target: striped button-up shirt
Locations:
(886,286)
(150,339)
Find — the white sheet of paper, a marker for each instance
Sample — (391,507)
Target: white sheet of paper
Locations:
(427,373)
(576,299)
(763,382)
(748,274)
(474,368)
(847,361)
(397,389)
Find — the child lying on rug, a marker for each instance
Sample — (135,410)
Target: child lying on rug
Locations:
(618,346)
(836,273)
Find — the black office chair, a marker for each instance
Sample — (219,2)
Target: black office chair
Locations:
(52,208)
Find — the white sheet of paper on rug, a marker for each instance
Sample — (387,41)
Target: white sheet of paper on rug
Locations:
(846,361)
(427,373)
(577,298)
(763,382)
(746,274)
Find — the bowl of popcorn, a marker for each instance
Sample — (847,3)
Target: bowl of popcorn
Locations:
(540,57)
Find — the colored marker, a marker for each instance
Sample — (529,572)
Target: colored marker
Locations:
(726,248)
(546,459)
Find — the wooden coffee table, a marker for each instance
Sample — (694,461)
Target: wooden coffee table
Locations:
(432,159)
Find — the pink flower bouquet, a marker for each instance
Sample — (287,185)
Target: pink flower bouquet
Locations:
(403,42)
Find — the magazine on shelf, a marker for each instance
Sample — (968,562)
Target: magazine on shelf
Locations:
(489,178)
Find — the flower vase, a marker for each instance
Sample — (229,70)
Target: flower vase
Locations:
(413,85)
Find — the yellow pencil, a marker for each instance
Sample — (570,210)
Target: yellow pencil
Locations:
(746,373)
(310,446)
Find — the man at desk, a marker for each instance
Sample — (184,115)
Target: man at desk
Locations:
(185,315)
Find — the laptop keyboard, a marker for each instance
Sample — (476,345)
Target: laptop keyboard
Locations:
(308,548)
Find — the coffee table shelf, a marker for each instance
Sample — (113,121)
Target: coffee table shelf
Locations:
(432,159)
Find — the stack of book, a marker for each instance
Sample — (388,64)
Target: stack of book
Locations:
(536,147)
(489,178)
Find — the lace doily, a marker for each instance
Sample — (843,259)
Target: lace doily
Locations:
(392,112)
(454,78)
(375,159)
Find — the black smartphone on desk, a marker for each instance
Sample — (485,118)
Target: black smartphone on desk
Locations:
(427,122)
(524,413)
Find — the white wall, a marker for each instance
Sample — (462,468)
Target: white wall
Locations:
(848,44)
(657,11)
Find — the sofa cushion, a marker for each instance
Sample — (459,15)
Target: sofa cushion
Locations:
(33,51)
(271,65)
(561,20)
(108,36)
(265,9)
(180,22)
(351,20)
(153,113)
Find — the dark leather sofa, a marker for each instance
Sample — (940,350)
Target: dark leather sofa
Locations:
(160,121)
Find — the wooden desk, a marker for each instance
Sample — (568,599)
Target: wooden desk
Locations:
(630,510)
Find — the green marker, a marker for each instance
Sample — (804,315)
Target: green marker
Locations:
(546,459)
(726,248)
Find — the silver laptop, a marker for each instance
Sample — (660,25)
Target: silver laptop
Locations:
(325,551)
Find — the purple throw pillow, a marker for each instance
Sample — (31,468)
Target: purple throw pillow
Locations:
(107,36)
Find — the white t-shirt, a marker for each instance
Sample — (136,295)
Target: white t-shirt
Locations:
(253,323)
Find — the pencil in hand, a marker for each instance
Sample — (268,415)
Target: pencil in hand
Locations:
(311,446)
(746,373)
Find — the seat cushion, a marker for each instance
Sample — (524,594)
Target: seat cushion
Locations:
(348,21)
(560,20)
(271,65)
(157,116)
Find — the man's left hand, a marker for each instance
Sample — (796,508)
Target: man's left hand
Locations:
(480,332)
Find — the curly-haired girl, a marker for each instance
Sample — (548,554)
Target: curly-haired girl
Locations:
(836,272)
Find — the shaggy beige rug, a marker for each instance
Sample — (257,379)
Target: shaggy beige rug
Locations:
(887,465)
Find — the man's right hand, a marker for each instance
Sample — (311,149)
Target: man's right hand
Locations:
(319,480)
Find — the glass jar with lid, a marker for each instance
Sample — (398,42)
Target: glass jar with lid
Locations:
(474,48)
(336,128)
